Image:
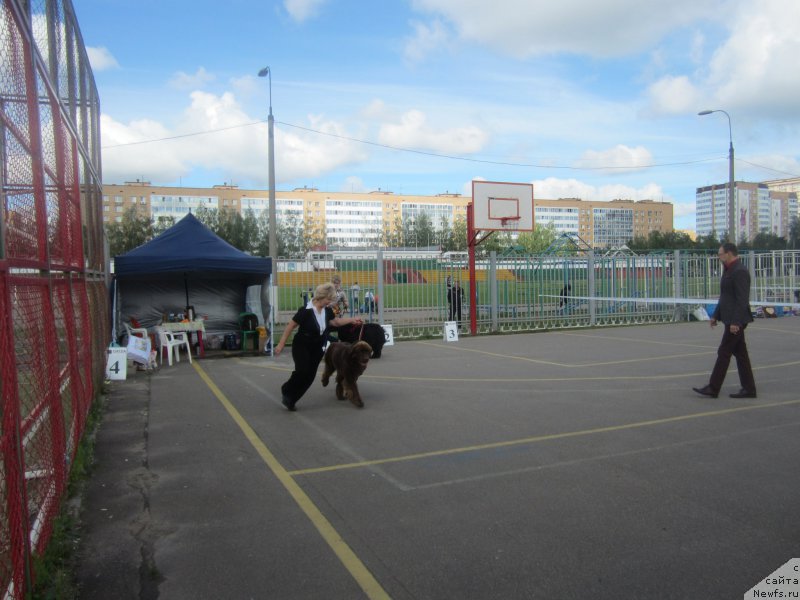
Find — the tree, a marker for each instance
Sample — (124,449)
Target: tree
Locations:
(794,234)
(496,241)
(668,240)
(162,224)
(444,236)
(639,243)
(423,232)
(765,240)
(393,234)
(240,232)
(290,237)
(208,217)
(314,235)
(708,242)
(539,239)
(132,231)
(460,234)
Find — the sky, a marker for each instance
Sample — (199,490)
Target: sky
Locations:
(590,100)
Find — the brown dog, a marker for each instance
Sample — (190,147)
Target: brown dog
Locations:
(349,361)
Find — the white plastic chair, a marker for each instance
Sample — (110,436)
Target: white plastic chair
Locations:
(168,340)
(135,331)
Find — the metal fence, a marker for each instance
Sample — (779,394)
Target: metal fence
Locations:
(534,292)
(53,293)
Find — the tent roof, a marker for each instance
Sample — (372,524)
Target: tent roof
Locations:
(189,246)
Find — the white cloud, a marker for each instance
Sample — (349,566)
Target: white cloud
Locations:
(771,166)
(153,162)
(185,81)
(376,111)
(426,40)
(305,156)
(354,185)
(673,95)
(236,145)
(553,188)
(683,209)
(101,59)
(603,29)
(300,10)
(697,50)
(757,66)
(247,85)
(753,70)
(414,132)
(615,159)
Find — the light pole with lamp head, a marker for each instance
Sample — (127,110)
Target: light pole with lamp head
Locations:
(731,182)
(273,242)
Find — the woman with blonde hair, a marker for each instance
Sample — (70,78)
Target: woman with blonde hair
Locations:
(312,323)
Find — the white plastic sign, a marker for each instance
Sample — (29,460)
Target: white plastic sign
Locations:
(388,334)
(117,363)
(450,331)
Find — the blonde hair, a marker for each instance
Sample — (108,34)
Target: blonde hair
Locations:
(336,279)
(325,291)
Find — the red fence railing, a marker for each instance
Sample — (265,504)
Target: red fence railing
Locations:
(54,314)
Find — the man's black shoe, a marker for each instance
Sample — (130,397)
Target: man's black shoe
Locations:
(743,393)
(706,391)
(288,403)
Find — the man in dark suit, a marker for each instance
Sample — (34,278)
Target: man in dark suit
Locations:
(733,310)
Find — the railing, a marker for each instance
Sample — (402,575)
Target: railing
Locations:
(538,292)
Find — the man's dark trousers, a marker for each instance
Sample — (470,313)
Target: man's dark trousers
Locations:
(733,345)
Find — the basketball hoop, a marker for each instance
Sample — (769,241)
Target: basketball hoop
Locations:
(505,220)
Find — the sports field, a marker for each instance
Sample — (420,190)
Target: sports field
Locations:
(569,464)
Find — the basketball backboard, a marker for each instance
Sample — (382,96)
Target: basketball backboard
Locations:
(500,206)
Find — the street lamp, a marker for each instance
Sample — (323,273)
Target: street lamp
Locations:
(273,242)
(731,183)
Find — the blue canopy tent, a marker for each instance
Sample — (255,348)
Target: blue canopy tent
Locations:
(188,265)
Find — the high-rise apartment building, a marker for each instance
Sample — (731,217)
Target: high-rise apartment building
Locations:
(359,219)
(758,209)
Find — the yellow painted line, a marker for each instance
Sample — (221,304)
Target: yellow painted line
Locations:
(351,562)
(648,342)
(538,438)
(774,329)
(568,365)
(417,378)
(497,354)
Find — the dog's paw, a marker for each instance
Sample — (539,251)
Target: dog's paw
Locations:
(325,381)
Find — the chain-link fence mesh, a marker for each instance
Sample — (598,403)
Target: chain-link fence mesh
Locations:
(51,272)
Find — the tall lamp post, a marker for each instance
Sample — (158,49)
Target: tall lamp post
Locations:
(731,183)
(273,242)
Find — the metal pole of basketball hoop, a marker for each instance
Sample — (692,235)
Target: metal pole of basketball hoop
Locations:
(473,309)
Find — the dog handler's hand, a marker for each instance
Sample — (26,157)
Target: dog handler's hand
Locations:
(278,349)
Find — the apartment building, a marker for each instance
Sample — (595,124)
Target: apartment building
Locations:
(359,219)
(605,224)
(757,209)
(791,184)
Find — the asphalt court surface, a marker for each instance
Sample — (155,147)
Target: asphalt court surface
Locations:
(563,464)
